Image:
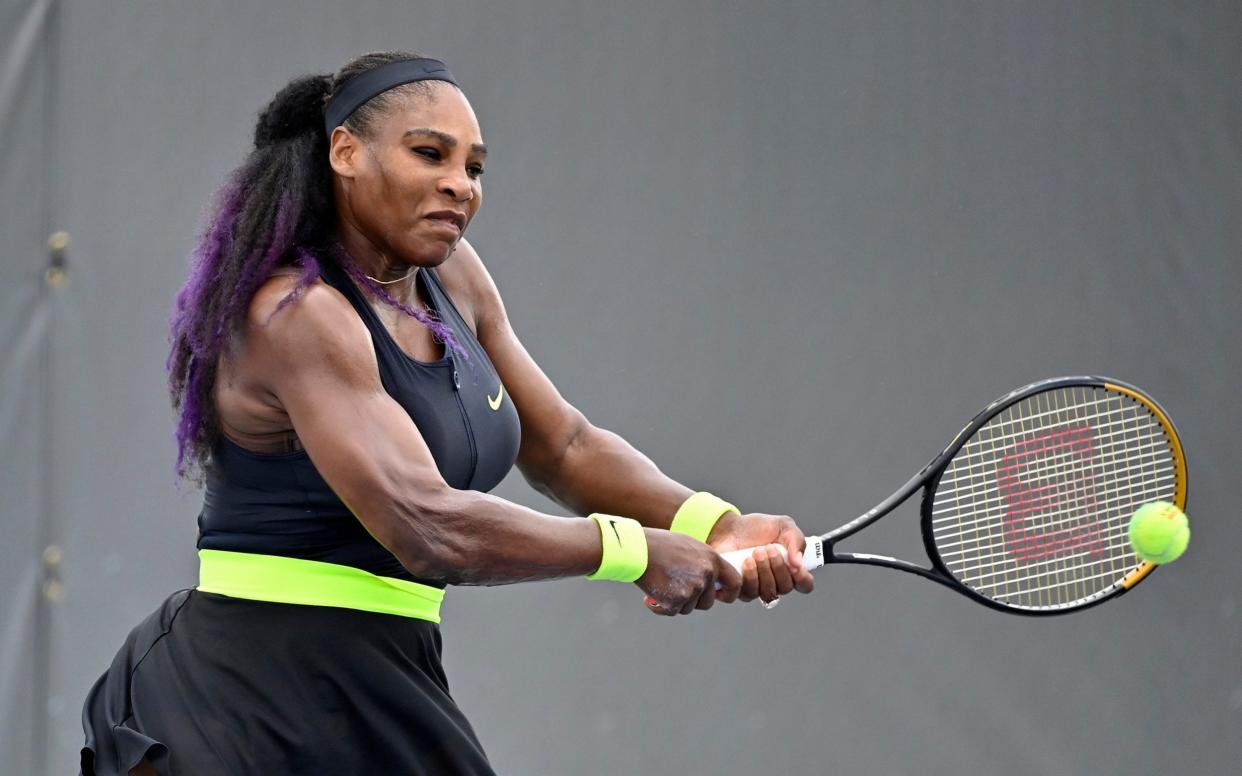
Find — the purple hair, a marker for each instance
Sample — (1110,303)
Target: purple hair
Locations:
(275,210)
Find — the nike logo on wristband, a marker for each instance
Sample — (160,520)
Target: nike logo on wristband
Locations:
(617,533)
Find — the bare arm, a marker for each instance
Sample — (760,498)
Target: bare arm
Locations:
(590,469)
(581,466)
(320,365)
(598,471)
(316,359)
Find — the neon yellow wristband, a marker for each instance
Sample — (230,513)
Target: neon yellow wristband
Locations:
(625,549)
(698,515)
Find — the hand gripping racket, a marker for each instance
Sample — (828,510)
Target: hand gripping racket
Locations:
(1027,510)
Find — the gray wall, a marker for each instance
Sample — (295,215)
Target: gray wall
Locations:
(786,249)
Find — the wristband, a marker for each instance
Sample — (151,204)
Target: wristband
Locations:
(625,549)
(697,515)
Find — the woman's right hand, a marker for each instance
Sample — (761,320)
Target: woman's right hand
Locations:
(682,574)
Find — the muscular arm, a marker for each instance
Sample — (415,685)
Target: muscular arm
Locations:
(318,363)
(589,469)
(598,471)
(583,467)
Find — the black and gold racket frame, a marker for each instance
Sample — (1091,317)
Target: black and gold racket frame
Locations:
(929,478)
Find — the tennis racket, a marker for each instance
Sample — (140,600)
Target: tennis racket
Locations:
(1027,510)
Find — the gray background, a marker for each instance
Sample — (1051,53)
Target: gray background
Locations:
(786,249)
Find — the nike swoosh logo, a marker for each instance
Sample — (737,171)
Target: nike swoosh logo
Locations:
(500,396)
(613,523)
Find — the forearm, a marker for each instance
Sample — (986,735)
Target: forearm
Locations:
(470,538)
(601,472)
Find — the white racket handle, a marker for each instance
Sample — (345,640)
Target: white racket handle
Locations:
(812,558)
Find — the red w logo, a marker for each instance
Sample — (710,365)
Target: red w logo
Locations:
(1049,495)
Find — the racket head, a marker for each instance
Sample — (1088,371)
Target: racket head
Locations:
(1028,509)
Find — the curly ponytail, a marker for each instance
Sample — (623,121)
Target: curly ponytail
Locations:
(276,209)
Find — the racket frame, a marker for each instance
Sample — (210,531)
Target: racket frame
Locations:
(928,478)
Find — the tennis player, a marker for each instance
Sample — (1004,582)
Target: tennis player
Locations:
(350,388)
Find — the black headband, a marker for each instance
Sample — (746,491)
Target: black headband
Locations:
(364,86)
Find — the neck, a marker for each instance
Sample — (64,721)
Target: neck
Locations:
(372,260)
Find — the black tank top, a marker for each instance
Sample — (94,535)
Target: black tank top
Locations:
(278,504)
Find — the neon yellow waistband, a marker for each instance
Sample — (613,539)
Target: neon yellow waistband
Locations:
(313,583)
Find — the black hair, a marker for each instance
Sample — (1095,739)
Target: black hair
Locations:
(276,209)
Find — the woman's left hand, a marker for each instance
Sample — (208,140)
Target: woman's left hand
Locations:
(765,574)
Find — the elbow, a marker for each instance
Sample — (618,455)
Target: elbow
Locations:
(434,539)
(544,463)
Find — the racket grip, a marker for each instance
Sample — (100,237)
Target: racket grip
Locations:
(812,557)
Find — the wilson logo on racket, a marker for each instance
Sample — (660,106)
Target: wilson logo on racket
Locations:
(813,557)
(1049,492)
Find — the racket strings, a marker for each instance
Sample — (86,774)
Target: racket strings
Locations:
(1042,417)
(1079,467)
(1052,546)
(972,464)
(1066,520)
(1033,510)
(981,447)
(1117,538)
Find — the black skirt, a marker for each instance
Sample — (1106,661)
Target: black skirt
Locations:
(215,685)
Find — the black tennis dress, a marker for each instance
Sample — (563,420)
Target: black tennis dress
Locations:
(214,684)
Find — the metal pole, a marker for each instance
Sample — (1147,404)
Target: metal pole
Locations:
(51,590)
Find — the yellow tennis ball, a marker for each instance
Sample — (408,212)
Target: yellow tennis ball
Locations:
(1159,532)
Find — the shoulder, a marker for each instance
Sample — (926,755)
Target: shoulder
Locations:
(467,280)
(287,327)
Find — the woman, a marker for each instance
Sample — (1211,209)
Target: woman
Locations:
(350,385)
